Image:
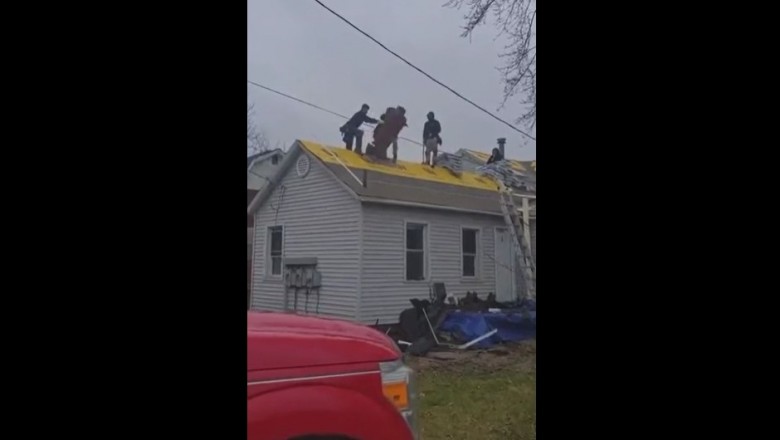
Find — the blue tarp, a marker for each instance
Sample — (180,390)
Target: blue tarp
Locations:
(512,326)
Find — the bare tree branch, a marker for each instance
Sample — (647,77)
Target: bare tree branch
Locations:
(514,19)
(256,141)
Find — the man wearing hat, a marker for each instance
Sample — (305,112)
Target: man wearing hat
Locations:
(431,139)
(352,130)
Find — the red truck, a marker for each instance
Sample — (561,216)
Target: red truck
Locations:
(314,379)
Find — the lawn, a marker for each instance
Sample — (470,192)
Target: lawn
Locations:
(480,395)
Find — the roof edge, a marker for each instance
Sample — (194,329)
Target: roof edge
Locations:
(263,156)
(284,167)
(381,201)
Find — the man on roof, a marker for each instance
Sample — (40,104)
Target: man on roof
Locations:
(387,132)
(382,120)
(431,139)
(351,129)
(495,157)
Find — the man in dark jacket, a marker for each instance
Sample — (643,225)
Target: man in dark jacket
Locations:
(495,157)
(431,139)
(352,130)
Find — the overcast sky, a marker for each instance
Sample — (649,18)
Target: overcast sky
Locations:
(298,47)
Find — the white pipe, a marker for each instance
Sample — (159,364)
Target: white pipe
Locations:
(474,341)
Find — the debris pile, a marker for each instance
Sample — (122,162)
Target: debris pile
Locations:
(472,302)
(435,325)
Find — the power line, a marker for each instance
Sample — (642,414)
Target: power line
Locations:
(423,72)
(317,107)
(296,99)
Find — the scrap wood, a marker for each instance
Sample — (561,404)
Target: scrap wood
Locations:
(463,346)
(430,326)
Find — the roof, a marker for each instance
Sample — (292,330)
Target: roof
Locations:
(259,157)
(478,156)
(250,195)
(409,183)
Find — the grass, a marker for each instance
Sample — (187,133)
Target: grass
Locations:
(482,396)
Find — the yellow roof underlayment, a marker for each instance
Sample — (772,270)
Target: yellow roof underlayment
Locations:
(402,168)
(516,164)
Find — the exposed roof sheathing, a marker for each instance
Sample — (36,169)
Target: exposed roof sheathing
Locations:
(516,164)
(404,169)
(404,182)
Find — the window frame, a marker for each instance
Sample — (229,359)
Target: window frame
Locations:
(269,258)
(477,252)
(426,250)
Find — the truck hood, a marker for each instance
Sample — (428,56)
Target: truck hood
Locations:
(277,340)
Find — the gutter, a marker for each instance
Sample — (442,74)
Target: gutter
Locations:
(427,206)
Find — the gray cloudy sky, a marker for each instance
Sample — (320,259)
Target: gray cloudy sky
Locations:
(298,47)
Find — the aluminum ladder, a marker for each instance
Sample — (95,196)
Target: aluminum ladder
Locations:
(522,248)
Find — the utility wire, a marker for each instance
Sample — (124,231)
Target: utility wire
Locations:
(423,72)
(318,107)
(296,99)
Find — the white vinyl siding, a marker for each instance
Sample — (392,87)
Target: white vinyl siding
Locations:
(384,289)
(321,220)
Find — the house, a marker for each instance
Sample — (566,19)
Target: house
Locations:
(472,159)
(379,235)
(260,168)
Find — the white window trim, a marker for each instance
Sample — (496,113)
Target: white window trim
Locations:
(426,251)
(477,256)
(268,261)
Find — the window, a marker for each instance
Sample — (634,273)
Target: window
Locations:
(415,251)
(274,159)
(275,234)
(469,243)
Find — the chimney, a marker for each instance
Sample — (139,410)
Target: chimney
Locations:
(501,142)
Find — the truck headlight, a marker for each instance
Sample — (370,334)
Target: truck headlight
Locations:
(398,385)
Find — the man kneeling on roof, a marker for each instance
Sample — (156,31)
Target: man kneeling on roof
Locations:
(395,141)
(352,130)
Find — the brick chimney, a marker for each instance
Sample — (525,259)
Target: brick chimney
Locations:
(501,143)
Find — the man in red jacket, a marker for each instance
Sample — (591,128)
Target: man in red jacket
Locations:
(386,133)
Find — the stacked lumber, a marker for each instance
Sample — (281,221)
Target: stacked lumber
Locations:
(450,161)
(512,178)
